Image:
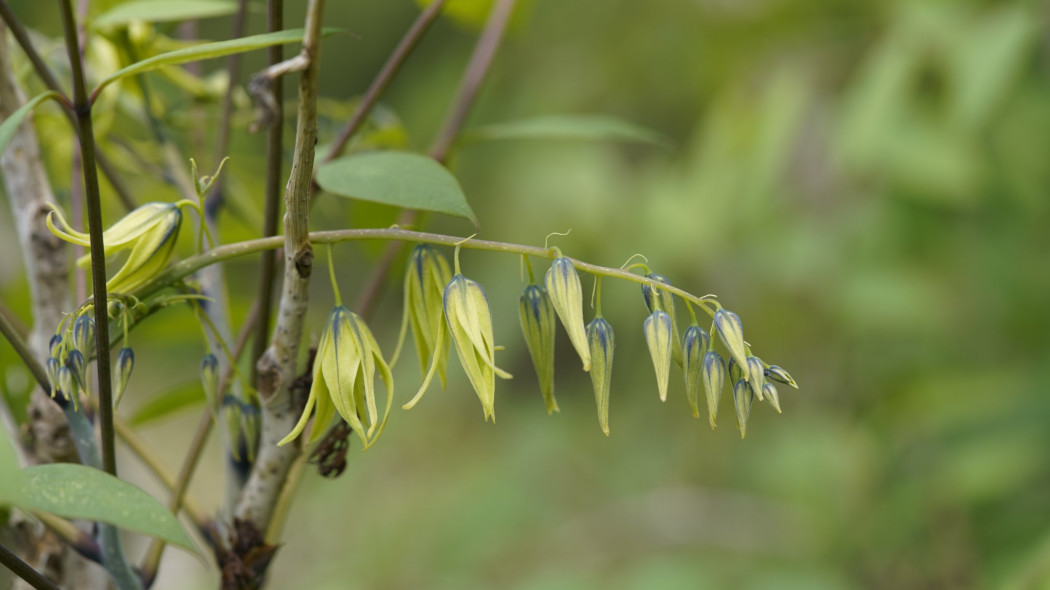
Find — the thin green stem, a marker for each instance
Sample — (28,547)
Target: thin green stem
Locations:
(331,276)
(24,571)
(598,296)
(184,268)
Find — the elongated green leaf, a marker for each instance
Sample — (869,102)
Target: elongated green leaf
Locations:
(11,488)
(401,179)
(209,51)
(76,491)
(10,125)
(573,127)
(157,11)
(167,403)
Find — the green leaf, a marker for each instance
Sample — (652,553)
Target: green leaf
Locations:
(75,491)
(11,488)
(209,51)
(573,127)
(401,179)
(156,11)
(10,125)
(181,397)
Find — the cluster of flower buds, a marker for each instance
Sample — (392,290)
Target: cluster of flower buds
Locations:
(71,348)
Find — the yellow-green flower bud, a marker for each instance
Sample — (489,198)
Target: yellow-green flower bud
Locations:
(210,377)
(756,372)
(658,337)
(84,335)
(714,373)
(52,365)
(660,299)
(694,347)
(470,325)
(54,346)
(563,285)
(771,395)
(731,331)
(537,325)
(249,429)
(66,384)
(735,372)
(125,364)
(78,365)
(428,273)
(778,374)
(743,398)
(602,344)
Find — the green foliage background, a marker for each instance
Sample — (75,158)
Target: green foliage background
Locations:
(865,183)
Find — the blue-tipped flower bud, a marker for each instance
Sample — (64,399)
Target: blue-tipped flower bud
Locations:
(125,364)
(714,373)
(771,395)
(601,343)
(249,428)
(694,347)
(778,374)
(658,337)
(427,275)
(731,332)
(661,299)
(78,365)
(54,346)
(537,325)
(756,372)
(563,285)
(84,335)
(210,377)
(66,384)
(52,365)
(743,398)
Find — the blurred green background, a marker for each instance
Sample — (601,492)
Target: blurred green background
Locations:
(865,183)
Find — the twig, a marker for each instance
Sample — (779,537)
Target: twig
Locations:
(277,365)
(24,571)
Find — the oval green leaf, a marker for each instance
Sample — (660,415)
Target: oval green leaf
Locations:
(157,11)
(10,125)
(571,127)
(209,51)
(75,491)
(401,179)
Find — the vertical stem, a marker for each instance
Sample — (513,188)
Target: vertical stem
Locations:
(274,149)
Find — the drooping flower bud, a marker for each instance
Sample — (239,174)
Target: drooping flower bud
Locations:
(743,398)
(602,344)
(537,325)
(661,299)
(210,377)
(66,384)
(778,374)
(735,372)
(731,332)
(694,347)
(54,346)
(563,285)
(714,372)
(470,326)
(125,364)
(250,420)
(78,365)
(52,365)
(425,279)
(756,372)
(84,335)
(771,395)
(658,337)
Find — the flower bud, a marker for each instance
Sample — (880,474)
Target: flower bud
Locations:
(602,344)
(428,273)
(563,285)
(54,346)
(66,384)
(771,395)
(658,337)
(694,347)
(84,335)
(52,365)
(470,326)
(537,325)
(714,374)
(249,429)
(778,374)
(735,372)
(76,363)
(661,299)
(743,397)
(210,377)
(125,364)
(756,372)
(731,331)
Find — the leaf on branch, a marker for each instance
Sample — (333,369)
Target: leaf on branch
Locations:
(568,127)
(210,51)
(157,11)
(401,179)
(10,125)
